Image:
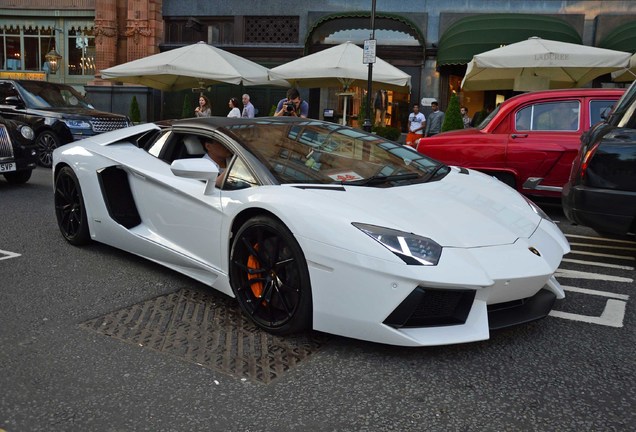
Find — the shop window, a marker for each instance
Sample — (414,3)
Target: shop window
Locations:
(81,51)
(24,48)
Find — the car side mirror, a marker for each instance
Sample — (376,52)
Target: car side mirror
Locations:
(13,100)
(605,113)
(198,169)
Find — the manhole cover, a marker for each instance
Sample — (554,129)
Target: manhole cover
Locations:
(210,331)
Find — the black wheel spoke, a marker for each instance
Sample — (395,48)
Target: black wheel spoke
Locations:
(283,300)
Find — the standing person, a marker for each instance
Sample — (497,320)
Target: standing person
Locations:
(435,120)
(234,108)
(292,105)
(248,108)
(464,111)
(417,123)
(204,109)
(380,104)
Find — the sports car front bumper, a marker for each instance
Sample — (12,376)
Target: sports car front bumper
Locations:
(355,295)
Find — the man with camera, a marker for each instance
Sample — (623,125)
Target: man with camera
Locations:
(292,105)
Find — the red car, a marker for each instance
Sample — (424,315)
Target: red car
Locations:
(529,141)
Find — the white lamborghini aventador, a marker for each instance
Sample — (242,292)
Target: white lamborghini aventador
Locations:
(317,225)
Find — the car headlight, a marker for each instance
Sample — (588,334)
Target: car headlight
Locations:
(410,248)
(77,124)
(27,132)
(535,208)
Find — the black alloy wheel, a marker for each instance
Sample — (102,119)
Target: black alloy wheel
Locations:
(269,276)
(45,143)
(69,208)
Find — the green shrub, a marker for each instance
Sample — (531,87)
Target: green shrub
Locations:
(134,114)
(387,132)
(453,116)
(187,110)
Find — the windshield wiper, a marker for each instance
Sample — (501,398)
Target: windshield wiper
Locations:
(432,173)
(379,179)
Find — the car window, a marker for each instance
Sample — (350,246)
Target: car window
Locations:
(325,153)
(551,116)
(239,177)
(42,94)
(599,110)
(7,90)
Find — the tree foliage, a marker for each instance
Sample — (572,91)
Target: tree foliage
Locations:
(134,113)
(187,110)
(453,117)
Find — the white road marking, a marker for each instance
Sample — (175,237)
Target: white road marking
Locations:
(604,246)
(612,315)
(574,274)
(598,264)
(600,238)
(595,292)
(9,255)
(623,257)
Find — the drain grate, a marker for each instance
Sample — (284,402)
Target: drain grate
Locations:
(210,331)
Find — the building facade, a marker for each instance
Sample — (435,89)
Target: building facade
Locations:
(430,40)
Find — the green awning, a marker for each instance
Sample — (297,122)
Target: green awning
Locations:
(622,38)
(480,33)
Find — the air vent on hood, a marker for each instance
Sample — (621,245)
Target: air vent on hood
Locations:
(331,188)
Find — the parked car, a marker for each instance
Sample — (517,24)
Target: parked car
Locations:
(316,225)
(17,151)
(529,140)
(601,191)
(57,113)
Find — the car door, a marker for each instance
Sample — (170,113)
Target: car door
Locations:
(543,142)
(175,212)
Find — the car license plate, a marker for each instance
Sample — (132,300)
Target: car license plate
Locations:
(7,166)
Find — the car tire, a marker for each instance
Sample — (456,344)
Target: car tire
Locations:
(69,208)
(18,177)
(269,276)
(45,143)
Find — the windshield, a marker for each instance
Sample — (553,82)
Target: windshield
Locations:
(327,153)
(42,94)
(488,118)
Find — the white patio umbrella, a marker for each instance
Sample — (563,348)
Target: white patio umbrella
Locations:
(196,65)
(340,66)
(628,74)
(539,64)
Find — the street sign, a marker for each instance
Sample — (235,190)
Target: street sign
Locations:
(368,52)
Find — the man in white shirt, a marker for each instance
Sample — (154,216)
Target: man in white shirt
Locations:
(248,108)
(417,123)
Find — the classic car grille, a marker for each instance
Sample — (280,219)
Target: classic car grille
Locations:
(105,124)
(6,149)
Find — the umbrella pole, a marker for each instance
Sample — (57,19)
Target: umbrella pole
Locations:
(344,114)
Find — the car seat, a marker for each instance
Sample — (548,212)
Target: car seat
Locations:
(192,147)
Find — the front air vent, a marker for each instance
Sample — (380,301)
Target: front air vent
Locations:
(432,307)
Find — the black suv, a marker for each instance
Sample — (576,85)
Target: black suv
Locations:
(17,151)
(601,191)
(57,113)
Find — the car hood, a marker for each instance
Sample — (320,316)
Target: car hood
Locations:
(462,210)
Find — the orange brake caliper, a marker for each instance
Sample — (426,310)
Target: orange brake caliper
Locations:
(253,264)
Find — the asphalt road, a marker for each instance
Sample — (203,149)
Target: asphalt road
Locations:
(573,371)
